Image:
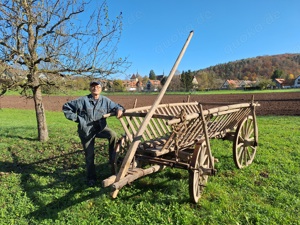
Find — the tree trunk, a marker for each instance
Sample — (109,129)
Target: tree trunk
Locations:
(40,115)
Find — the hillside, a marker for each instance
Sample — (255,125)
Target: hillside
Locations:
(252,68)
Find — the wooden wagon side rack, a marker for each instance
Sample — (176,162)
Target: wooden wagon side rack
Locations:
(178,135)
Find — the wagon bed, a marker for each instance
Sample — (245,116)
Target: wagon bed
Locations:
(178,135)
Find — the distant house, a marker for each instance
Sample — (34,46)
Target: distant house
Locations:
(231,84)
(195,81)
(297,82)
(129,85)
(278,82)
(247,83)
(237,84)
(282,83)
(153,85)
(133,84)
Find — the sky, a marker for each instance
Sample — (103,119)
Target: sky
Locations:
(155,31)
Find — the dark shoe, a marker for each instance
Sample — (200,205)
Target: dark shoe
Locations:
(91,183)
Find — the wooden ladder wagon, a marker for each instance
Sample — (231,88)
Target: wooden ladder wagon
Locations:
(178,135)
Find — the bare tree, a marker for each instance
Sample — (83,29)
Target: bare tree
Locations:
(57,37)
(175,84)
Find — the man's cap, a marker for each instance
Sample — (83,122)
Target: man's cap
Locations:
(97,82)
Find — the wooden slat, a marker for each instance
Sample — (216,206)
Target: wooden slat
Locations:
(167,111)
(209,111)
(131,125)
(195,108)
(189,109)
(218,123)
(137,122)
(158,125)
(172,110)
(146,135)
(150,126)
(224,121)
(190,134)
(128,133)
(165,127)
(234,119)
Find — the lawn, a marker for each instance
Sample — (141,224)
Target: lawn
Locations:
(44,183)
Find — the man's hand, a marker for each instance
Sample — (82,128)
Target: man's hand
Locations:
(119,114)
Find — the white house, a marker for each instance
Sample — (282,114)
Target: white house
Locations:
(238,84)
(297,82)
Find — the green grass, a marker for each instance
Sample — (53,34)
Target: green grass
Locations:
(44,183)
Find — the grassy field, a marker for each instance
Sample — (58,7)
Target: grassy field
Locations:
(44,183)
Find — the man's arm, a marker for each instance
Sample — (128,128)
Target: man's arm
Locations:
(70,111)
(119,110)
(119,113)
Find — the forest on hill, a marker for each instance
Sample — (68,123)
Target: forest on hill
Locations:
(261,69)
(256,68)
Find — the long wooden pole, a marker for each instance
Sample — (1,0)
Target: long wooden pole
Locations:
(137,139)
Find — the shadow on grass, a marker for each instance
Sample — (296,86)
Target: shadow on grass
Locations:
(21,138)
(57,183)
(16,133)
(60,173)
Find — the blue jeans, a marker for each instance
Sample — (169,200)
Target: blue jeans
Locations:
(89,150)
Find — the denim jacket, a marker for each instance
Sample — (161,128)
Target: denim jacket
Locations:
(88,113)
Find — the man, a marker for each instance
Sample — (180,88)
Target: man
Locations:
(87,111)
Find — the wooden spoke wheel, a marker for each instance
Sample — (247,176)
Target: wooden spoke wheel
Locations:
(197,177)
(245,143)
(120,151)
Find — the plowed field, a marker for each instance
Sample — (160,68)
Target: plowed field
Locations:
(287,103)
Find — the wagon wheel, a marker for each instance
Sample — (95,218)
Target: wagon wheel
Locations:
(197,178)
(120,151)
(245,143)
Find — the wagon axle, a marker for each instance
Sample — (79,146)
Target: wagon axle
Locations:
(205,171)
